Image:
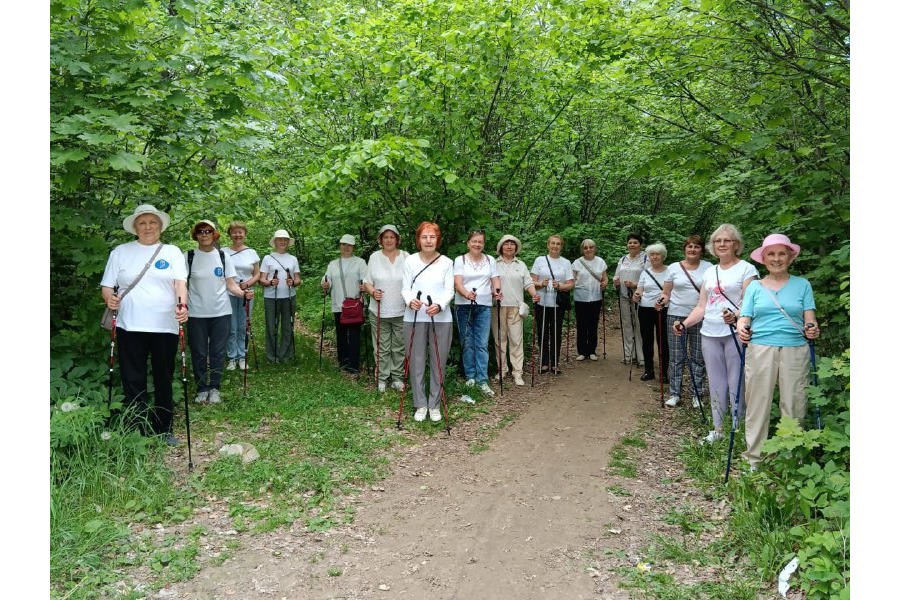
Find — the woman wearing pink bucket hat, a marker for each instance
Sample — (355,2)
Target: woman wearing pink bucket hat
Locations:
(779,314)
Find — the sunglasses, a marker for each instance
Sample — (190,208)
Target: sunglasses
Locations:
(204,231)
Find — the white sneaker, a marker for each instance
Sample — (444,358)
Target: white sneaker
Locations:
(434,414)
(579,357)
(397,385)
(420,414)
(673,401)
(486,389)
(712,437)
(382,386)
(695,401)
(517,379)
(470,382)
(202,397)
(593,357)
(214,397)
(497,377)
(232,364)
(242,363)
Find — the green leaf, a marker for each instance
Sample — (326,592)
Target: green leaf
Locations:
(127,161)
(61,156)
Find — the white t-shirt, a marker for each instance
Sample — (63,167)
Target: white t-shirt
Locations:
(476,275)
(562,272)
(684,296)
(652,292)
(436,281)
(629,269)
(207,294)
(514,279)
(281,263)
(150,306)
(354,271)
(387,277)
(243,261)
(732,282)
(587,287)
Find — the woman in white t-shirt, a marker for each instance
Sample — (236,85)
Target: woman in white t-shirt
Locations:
(652,312)
(718,307)
(477,284)
(681,291)
(210,281)
(514,279)
(427,322)
(590,281)
(551,274)
(279,274)
(246,266)
(384,282)
(147,318)
(344,278)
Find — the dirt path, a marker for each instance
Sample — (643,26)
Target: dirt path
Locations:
(530,517)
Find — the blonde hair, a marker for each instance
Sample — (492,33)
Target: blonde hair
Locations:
(733,232)
(236,225)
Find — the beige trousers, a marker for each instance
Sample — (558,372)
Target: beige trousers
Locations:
(764,366)
(511,336)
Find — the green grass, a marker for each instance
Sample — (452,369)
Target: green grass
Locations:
(321,437)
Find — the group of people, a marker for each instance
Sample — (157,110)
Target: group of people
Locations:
(707,308)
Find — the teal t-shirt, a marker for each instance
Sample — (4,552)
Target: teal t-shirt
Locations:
(770,327)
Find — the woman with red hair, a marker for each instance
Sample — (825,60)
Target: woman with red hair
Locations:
(427,274)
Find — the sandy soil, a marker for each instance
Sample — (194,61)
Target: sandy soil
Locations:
(530,517)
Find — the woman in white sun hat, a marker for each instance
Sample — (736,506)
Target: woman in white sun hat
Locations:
(780,312)
(279,275)
(143,281)
(344,278)
(514,279)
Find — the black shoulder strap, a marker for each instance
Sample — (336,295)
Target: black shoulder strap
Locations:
(653,278)
(423,268)
(722,291)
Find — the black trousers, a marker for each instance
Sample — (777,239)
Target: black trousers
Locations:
(347,344)
(549,329)
(587,316)
(650,332)
(134,349)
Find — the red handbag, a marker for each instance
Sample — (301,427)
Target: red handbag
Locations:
(352,311)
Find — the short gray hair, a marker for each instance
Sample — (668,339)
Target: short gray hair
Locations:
(657,248)
(733,232)
(588,242)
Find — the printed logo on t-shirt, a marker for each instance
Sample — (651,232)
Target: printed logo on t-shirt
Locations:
(218,271)
(161,264)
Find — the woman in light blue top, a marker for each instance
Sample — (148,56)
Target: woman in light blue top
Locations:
(778,318)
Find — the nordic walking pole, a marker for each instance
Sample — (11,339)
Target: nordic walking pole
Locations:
(633,338)
(533,337)
(377,336)
(112,350)
(621,322)
(543,328)
(690,369)
(184,386)
(499,337)
(568,331)
(246,337)
(437,356)
(603,315)
(362,334)
(736,411)
(412,336)
(322,330)
(288,271)
(815,374)
(660,353)
(252,339)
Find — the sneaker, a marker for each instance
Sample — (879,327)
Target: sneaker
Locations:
(754,468)
(170,439)
(470,382)
(382,386)
(517,379)
(580,357)
(242,363)
(695,401)
(420,414)
(594,357)
(434,414)
(645,376)
(712,437)
(497,377)
(231,365)
(486,389)
(398,385)
(202,397)
(214,396)
(673,401)
(467,399)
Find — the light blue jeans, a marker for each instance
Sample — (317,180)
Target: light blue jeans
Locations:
(474,324)
(238,335)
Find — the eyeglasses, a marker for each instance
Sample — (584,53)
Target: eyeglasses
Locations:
(723,241)
(204,232)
